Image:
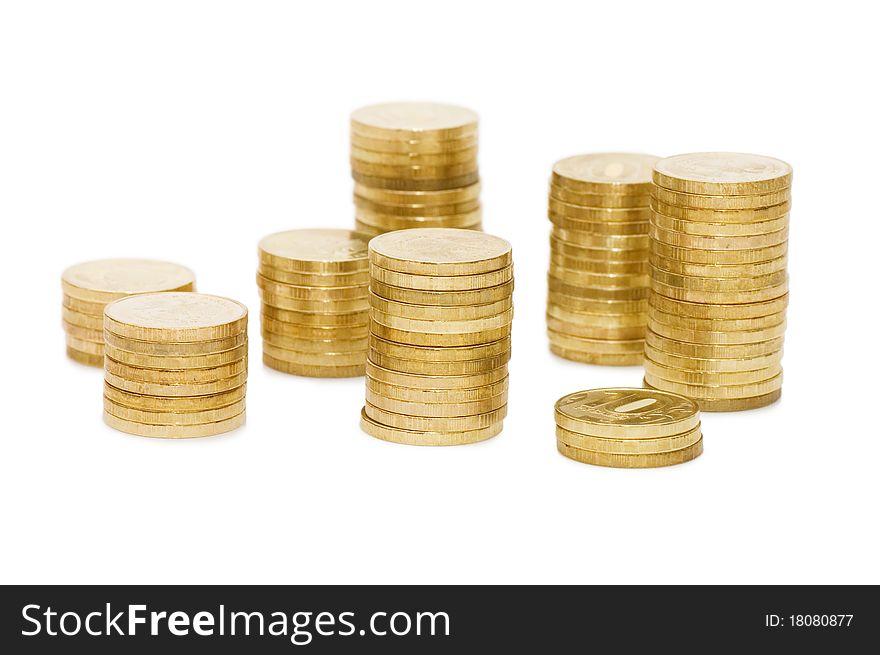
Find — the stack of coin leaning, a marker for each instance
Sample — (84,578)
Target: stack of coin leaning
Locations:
(628,428)
(89,286)
(175,365)
(598,280)
(313,286)
(414,165)
(440,327)
(719,244)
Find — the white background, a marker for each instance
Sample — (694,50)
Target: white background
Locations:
(188,130)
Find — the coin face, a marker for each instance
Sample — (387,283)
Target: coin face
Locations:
(608,168)
(128,276)
(174,311)
(723,172)
(317,245)
(639,411)
(441,248)
(414,116)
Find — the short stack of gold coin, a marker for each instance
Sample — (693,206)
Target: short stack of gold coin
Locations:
(415,165)
(313,285)
(89,286)
(175,365)
(628,428)
(441,308)
(599,278)
(719,250)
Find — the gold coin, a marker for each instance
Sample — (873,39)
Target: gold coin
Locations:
(722,173)
(713,365)
(165,317)
(316,332)
(725,312)
(435,382)
(438,159)
(711,378)
(442,298)
(441,282)
(372,231)
(681,240)
(441,197)
(602,281)
(606,173)
(715,324)
(719,257)
(609,229)
(416,184)
(311,371)
(441,251)
(207,361)
(717,392)
(634,319)
(597,346)
(70,317)
(436,410)
(442,327)
(377,230)
(174,417)
(562,196)
(314,319)
(88,347)
(566,208)
(718,284)
(160,389)
(573,286)
(309,345)
(414,172)
(89,359)
(426,438)
(598,359)
(631,461)
(628,446)
(174,431)
(719,337)
(333,359)
(435,424)
(719,271)
(738,404)
(592,332)
(413,119)
(427,354)
(313,294)
(719,229)
(83,306)
(174,403)
(423,367)
(435,313)
(86,334)
(315,251)
(599,267)
(417,211)
(724,216)
(174,376)
(295,278)
(106,280)
(411,395)
(697,201)
(175,349)
(413,145)
(710,351)
(315,306)
(626,413)
(578,303)
(389,222)
(578,237)
(438,339)
(720,297)
(566,249)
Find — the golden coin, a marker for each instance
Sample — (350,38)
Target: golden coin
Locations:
(442,298)
(435,313)
(376,230)
(414,145)
(83,306)
(174,417)
(428,354)
(95,323)
(720,297)
(717,392)
(173,349)
(598,359)
(423,367)
(715,324)
(309,345)
(435,382)
(597,346)
(389,222)
(561,196)
(592,332)
(369,229)
(295,278)
(440,251)
(442,283)
(711,378)
(174,431)
(454,196)
(738,404)
(438,159)
(606,173)
(310,293)
(697,201)
(719,229)
(681,240)
(626,413)
(174,403)
(722,173)
(720,336)
(578,303)
(418,211)
(86,334)
(316,306)
(421,338)
(411,395)
(316,332)
(503,319)
(725,312)
(600,267)
(89,359)
(628,446)
(174,376)
(435,424)
(414,172)
(183,389)
(207,361)
(710,365)
(719,257)
(610,229)
(719,271)
(413,119)
(106,280)
(571,285)
(435,410)
(170,316)
(426,438)
(314,319)
(578,237)
(718,284)
(566,208)
(631,461)
(710,351)
(416,184)
(88,347)
(311,371)
(335,359)
(315,251)
(563,248)
(600,280)
(633,319)
(735,216)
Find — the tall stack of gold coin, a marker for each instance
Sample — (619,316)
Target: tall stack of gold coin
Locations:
(313,284)
(719,250)
(175,365)
(415,165)
(628,428)
(441,308)
(89,286)
(598,280)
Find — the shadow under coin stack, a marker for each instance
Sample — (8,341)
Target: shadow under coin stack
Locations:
(628,428)
(599,278)
(313,285)
(441,308)
(719,250)
(415,165)
(89,286)
(176,365)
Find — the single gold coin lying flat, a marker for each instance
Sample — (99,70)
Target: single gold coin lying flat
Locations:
(451,157)
(174,431)
(606,172)
(89,359)
(313,371)
(597,200)
(437,339)
(449,354)
(89,347)
(608,267)
(710,351)
(719,271)
(314,319)
(721,216)
(431,396)
(435,382)
(421,367)
(575,236)
(717,284)
(312,280)
(564,341)
(714,324)
(713,365)
(86,321)
(184,317)
(598,307)
(413,145)
(317,333)
(719,229)
(106,280)
(629,446)
(710,378)
(83,306)
(315,251)
(435,410)
(598,228)
(720,297)
(697,201)
(722,173)
(435,313)
(752,242)
(313,294)
(440,251)
(333,359)
(503,319)
(414,172)
(717,392)
(175,349)
(441,282)
(442,298)
(174,403)
(738,404)
(631,461)
(307,345)
(417,211)
(435,424)
(626,413)
(395,183)
(560,247)
(613,332)
(413,119)
(599,320)
(568,282)
(419,198)
(719,257)
(718,336)
(182,389)
(207,361)
(176,376)
(598,359)
(726,312)
(174,417)
(426,438)
(315,306)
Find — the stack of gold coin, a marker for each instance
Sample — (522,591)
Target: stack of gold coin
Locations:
(440,327)
(628,428)
(89,286)
(415,165)
(599,278)
(175,365)
(313,284)
(719,244)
